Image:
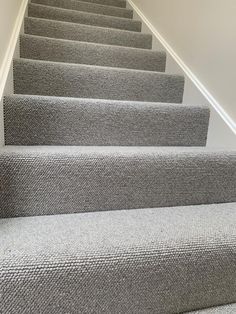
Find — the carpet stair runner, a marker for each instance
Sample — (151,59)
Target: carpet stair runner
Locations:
(110,200)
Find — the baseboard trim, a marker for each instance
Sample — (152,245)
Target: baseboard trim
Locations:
(7,61)
(203,90)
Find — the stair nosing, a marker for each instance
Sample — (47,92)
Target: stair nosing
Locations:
(128,102)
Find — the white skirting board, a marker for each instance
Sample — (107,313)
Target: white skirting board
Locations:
(222,129)
(6,71)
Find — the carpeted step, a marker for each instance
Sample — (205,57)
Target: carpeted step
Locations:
(115,3)
(166,260)
(87,7)
(60,50)
(45,180)
(72,80)
(53,13)
(88,33)
(225,309)
(31,120)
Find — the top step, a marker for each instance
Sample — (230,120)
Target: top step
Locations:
(114,3)
(87,7)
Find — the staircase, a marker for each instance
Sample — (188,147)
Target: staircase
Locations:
(110,201)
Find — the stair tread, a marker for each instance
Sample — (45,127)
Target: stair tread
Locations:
(87,7)
(69,51)
(85,81)
(125,255)
(89,33)
(73,16)
(34,120)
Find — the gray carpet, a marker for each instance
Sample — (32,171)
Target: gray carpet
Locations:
(166,260)
(41,11)
(224,309)
(87,7)
(37,120)
(60,50)
(109,200)
(116,3)
(67,179)
(85,81)
(89,33)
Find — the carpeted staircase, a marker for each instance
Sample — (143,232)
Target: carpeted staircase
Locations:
(110,201)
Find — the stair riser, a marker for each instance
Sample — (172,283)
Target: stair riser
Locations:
(48,49)
(51,121)
(87,7)
(81,179)
(73,16)
(59,79)
(80,32)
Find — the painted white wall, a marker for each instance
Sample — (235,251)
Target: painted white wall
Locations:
(9,10)
(200,39)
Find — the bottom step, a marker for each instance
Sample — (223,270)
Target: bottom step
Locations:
(166,260)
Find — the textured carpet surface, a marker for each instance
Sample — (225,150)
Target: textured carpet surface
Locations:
(81,32)
(138,261)
(31,120)
(87,7)
(41,11)
(225,309)
(100,151)
(116,3)
(73,80)
(56,179)
(51,49)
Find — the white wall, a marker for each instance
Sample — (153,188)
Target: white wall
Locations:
(9,10)
(202,33)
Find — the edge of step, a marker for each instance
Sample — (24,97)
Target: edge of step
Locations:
(221,309)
